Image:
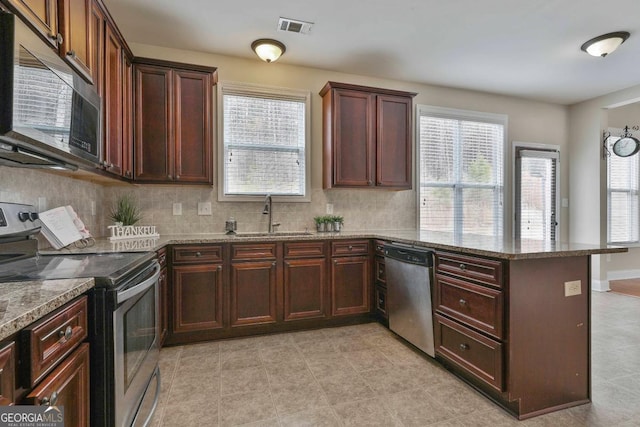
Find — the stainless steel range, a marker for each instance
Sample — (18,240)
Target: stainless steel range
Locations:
(123,315)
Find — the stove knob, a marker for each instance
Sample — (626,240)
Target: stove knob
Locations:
(23,216)
(33,216)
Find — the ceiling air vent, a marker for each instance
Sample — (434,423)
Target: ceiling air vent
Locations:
(294,26)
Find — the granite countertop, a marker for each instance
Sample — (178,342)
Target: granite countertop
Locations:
(469,243)
(22,303)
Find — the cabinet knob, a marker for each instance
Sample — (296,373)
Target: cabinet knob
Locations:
(462,302)
(464,347)
(219,268)
(57,38)
(198,254)
(379,248)
(273,264)
(71,53)
(50,401)
(350,247)
(370,182)
(177,176)
(66,333)
(463,267)
(380,272)
(169,177)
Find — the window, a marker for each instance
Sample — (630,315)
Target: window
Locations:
(623,179)
(461,171)
(265,142)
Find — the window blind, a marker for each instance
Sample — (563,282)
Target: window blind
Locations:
(623,179)
(264,145)
(461,175)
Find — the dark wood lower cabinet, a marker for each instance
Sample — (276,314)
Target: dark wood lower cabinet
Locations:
(253,293)
(350,284)
(7,373)
(68,386)
(197,298)
(304,288)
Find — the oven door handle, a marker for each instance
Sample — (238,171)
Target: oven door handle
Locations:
(129,293)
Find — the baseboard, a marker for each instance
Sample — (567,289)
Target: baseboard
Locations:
(600,285)
(623,274)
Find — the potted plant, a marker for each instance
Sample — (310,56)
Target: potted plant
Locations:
(125,211)
(320,223)
(337,222)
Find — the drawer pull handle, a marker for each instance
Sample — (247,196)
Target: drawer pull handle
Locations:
(463,302)
(463,267)
(66,333)
(50,401)
(464,347)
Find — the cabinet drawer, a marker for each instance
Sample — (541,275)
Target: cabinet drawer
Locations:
(350,247)
(7,374)
(253,251)
(304,250)
(475,305)
(162,257)
(479,269)
(381,302)
(380,271)
(53,337)
(476,354)
(197,254)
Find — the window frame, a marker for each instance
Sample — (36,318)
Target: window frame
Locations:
(267,92)
(464,115)
(629,191)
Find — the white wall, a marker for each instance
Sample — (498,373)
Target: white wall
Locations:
(588,181)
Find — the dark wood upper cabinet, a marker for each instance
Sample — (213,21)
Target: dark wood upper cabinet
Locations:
(367,136)
(97,38)
(173,122)
(65,25)
(74,17)
(41,15)
(113,102)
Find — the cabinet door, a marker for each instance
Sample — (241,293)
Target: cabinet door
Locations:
(42,15)
(253,293)
(304,288)
(76,47)
(96,31)
(197,298)
(7,374)
(193,136)
(154,152)
(164,305)
(112,102)
(350,284)
(393,135)
(68,386)
(353,138)
(127,116)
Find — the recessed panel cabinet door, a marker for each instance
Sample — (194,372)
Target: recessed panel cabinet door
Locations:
(394,141)
(42,15)
(304,288)
(76,47)
(354,138)
(350,284)
(197,297)
(112,102)
(154,152)
(253,293)
(193,126)
(68,386)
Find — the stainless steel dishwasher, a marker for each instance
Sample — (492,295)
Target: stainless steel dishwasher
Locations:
(409,275)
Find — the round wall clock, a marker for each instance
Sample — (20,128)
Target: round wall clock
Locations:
(626,146)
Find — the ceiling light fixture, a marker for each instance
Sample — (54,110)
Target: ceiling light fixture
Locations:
(605,44)
(268,50)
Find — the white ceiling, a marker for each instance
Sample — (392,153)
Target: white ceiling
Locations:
(525,48)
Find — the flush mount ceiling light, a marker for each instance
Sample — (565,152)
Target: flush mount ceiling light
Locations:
(605,44)
(268,50)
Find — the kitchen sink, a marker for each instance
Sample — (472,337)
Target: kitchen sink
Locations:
(275,234)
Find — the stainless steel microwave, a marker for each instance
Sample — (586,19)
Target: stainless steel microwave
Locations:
(49,116)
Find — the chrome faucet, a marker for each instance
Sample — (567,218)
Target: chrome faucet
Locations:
(268,210)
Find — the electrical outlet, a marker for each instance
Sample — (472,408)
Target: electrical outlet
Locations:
(204,208)
(42,204)
(572,288)
(330,208)
(177,208)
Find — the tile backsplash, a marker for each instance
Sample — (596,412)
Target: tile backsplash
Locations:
(361,208)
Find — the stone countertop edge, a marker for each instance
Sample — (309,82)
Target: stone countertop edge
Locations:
(472,244)
(31,300)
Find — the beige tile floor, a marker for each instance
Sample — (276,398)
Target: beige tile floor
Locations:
(365,376)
